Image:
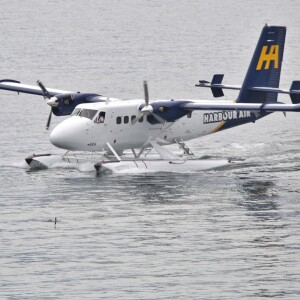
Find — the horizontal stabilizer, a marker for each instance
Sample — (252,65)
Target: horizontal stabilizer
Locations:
(216,86)
(295,92)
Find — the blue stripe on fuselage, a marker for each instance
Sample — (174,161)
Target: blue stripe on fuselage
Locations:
(229,119)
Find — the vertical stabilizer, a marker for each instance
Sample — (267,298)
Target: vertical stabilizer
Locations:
(265,66)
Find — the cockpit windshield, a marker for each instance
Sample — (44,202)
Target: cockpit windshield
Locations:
(76,111)
(88,113)
(83,112)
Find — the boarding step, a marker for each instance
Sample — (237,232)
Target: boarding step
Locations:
(182,145)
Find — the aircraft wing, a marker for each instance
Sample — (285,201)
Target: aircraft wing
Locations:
(266,107)
(62,102)
(16,86)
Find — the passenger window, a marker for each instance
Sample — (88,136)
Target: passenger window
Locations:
(189,115)
(133,118)
(141,119)
(100,118)
(126,120)
(119,120)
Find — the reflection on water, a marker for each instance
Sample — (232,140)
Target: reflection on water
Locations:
(152,188)
(259,197)
(268,293)
(259,189)
(267,236)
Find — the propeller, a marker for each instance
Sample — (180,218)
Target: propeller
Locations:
(148,108)
(52,101)
(41,85)
(146,93)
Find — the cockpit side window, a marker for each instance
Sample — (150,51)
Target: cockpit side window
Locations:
(88,113)
(100,118)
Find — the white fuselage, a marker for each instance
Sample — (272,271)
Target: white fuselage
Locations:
(94,125)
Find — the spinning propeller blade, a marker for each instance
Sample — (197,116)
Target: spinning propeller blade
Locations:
(147,109)
(46,96)
(146,94)
(41,85)
(49,119)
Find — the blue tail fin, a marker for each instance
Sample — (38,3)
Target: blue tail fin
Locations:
(265,66)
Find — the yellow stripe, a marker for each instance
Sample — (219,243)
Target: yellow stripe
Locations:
(218,127)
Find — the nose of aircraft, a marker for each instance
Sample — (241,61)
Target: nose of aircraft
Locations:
(71,134)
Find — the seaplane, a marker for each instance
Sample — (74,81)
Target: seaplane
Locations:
(118,134)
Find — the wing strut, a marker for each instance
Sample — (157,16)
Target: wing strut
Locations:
(113,151)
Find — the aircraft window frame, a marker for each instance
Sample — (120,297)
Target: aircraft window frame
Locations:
(133,117)
(119,120)
(88,113)
(141,119)
(189,114)
(76,111)
(126,119)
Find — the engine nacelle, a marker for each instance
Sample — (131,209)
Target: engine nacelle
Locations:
(65,103)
